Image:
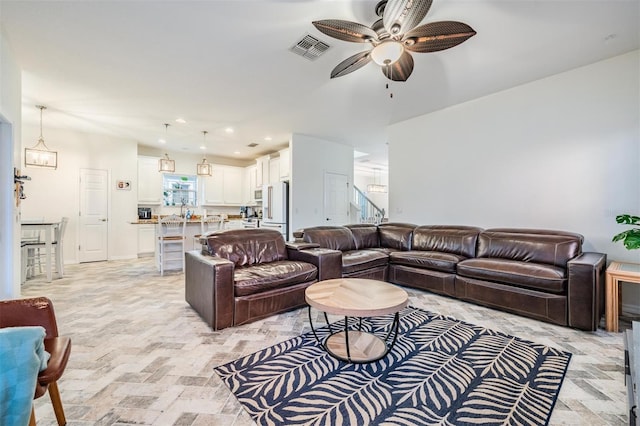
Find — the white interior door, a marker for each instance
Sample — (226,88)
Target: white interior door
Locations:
(94,215)
(336,198)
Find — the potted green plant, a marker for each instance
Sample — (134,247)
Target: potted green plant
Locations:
(631,237)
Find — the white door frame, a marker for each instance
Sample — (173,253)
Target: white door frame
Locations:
(104,218)
(327,219)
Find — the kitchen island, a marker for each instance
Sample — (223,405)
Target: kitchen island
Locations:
(148,234)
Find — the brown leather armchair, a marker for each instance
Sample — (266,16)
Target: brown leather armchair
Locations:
(38,311)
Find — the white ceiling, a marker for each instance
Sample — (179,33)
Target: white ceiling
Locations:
(124,68)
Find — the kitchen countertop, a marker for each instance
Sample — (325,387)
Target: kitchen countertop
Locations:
(154,221)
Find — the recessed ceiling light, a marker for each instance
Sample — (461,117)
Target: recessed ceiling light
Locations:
(181,120)
(268,138)
(236,152)
(203,147)
(161,141)
(229,130)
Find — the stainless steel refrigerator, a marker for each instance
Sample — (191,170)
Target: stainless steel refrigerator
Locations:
(275,208)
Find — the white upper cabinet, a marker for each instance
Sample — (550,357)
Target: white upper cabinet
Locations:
(249,185)
(233,185)
(149,181)
(262,171)
(274,170)
(285,164)
(213,194)
(223,187)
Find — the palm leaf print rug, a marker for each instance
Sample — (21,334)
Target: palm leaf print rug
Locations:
(441,371)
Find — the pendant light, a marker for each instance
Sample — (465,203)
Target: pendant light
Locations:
(166,164)
(40,155)
(204,168)
(375,186)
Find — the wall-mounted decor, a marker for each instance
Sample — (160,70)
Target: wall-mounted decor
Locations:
(18,181)
(123,185)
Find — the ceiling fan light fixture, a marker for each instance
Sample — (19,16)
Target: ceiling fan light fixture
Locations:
(387,52)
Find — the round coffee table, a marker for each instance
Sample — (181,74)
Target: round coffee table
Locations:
(356,297)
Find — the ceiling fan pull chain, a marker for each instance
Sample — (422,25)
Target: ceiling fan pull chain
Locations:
(390,68)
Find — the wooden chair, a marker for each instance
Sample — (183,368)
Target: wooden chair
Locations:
(208,224)
(33,312)
(171,230)
(34,250)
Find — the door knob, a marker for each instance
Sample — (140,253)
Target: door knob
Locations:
(103,220)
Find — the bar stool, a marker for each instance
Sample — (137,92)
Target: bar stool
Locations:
(208,224)
(171,230)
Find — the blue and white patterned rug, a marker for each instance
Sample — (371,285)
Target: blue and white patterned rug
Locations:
(441,371)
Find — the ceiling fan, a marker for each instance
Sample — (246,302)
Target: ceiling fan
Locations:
(394,36)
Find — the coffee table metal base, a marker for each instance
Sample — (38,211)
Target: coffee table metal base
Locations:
(356,346)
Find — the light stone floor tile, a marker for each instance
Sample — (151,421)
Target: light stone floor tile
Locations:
(140,355)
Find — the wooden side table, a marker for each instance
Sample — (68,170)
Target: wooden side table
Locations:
(616,272)
(356,297)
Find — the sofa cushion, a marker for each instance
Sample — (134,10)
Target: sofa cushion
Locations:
(438,261)
(267,276)
(331,237)
(358,260)
(396,235)
(553,249)
(365,235)
(531,275)
(460,240)
(247,246)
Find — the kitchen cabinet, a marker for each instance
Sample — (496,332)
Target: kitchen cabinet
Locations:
(262,171)
(285,164)
(233,185)
(149,181)
(223,187)
(146,240)
(249,186)
(274,170)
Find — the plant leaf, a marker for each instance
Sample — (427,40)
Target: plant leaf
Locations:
(630,238)
(628,219)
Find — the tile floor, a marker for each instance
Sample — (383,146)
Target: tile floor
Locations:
(140,355)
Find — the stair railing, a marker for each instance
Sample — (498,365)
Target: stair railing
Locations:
(369,211)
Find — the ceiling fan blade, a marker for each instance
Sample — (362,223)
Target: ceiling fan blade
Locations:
(346,30)
(351,64)
(437,36)
(401,69)
(401,16)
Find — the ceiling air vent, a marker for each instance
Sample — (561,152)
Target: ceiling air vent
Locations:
(252,145)
(309,47)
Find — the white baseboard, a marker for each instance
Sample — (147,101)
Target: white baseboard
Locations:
(128,257)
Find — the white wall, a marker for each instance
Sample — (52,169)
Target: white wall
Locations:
(10,124)
(53,194)
(310,159)
(560,153)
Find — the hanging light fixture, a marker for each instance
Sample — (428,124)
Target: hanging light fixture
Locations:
(204,168)
(40,155)
(166,164)
(375,186)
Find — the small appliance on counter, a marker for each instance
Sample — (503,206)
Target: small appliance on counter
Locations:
(144,213)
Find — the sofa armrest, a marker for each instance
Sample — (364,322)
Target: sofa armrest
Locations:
(209,288)
(301,245)
(585,293)
(328,262)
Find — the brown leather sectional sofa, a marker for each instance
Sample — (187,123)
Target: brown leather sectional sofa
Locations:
(244,275)
(537,273)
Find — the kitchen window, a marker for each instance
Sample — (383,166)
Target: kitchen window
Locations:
(180,190)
